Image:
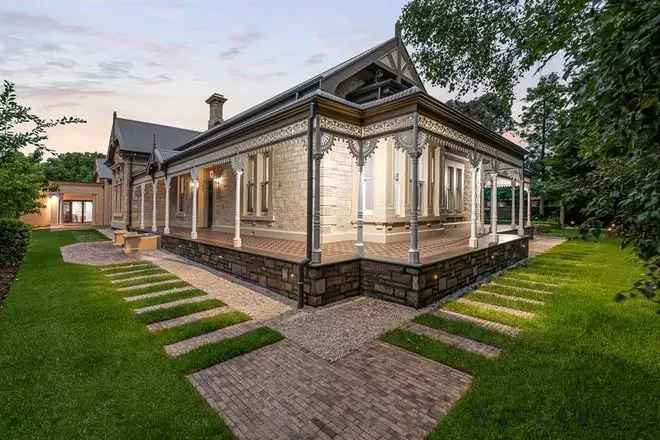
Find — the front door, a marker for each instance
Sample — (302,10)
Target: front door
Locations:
(209,202)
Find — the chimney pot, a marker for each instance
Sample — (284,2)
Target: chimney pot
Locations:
(215,102)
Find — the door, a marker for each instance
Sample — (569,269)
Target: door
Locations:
(209,202)
(78,211)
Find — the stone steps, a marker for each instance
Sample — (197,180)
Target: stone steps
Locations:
(182,320)
(488,325)
(171,304)
(512,279)
(157,294)
(140,286)
(527,289)
(453,340)
(509,310)
(513,298)
(179,348)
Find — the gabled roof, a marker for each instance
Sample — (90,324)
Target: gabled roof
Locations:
(101,169)
(138,136)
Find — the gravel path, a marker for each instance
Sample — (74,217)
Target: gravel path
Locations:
(97,253)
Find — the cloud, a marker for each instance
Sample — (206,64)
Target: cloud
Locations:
(64,63)
(230,53)
(317,58)
(250,74)
(241,41)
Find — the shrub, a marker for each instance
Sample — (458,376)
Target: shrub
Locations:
(14,239)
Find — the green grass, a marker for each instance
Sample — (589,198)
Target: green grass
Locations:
(526,284)
(586,368)
(138,273)
(153,289)
(76,364)
(200,327)
(512,291)
(148,280)
(175,312)
(174,296)
(211,354)
(504,302)
(88,235)
(484,313)
(452,356)
(463,328)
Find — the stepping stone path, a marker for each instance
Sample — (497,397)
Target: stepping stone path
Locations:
(155,294)
(171,304)
(512,298)
(509,310)
(488,325)
(187,319)
(182,347)
(454,340)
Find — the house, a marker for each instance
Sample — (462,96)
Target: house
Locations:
(354,181)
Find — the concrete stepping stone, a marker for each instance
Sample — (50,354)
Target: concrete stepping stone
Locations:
(181,320)
(530,281)
(171,304)
(131,272)
(509,310)
(140,286)
(527,289)
(513,298)
(179,348)
(137,277)
(484,323)
(461,342)
(156,294)
(127,267)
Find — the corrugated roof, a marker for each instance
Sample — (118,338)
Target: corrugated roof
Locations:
(138,136)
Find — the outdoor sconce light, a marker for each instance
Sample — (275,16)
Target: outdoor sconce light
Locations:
(435,276)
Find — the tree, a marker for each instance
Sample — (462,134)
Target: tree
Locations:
(71,167)
(611,59)
(488,109)
(21,177)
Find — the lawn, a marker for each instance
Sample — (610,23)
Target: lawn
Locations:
(75,363)
(587,367)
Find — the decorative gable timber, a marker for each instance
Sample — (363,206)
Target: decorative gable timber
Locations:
(400,63)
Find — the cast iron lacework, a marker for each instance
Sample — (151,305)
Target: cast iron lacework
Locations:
(362,150)
(238,162)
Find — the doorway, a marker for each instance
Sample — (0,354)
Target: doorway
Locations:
(78,211)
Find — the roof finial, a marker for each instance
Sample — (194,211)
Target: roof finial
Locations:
(154,146)
(397,30)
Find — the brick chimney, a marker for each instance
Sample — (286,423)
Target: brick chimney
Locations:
(215,102)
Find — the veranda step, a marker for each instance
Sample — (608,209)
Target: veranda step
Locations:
(179,348)
(529,281)
(169,305)
(461,342)
(512,298)
(156,294)
(509,310)
(527,289)
(181,320)
(140,286)
(489,325)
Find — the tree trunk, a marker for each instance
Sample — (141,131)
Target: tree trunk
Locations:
(561,214)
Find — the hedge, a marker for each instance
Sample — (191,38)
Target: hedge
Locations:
(14,239)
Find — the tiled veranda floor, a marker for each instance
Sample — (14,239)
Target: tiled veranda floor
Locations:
(451,241)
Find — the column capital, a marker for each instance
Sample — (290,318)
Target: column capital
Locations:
(193,174)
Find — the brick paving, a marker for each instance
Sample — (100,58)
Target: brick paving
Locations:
(489,325)
(182,320)
(509,310)
(466,344)
(171,304)
(284,392)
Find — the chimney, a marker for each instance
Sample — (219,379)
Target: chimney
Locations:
(215,102)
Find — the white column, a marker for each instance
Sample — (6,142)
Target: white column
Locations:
(237,210)
(493,208)
(413,252)
(154,225)
(521,223)
(142,205)
(482,205)
(359,243)
(513,204)
(168,180)
(474,240)
(529,206)
(316,205)
(194,180)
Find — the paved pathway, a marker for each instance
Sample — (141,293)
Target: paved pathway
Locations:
(97,253)
(284,392)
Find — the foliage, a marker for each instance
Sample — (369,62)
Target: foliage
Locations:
(489,110)
(21,184)
(607,164)
(14,240)
(71,167)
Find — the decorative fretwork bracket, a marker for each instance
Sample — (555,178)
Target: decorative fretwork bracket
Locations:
(238,162)
(361,150)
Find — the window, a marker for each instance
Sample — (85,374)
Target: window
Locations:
(251,179)
(454,175)
(78,211)
(182,184)
(459,190)
(420,181)
(265,183)
(431,179)
(450,188)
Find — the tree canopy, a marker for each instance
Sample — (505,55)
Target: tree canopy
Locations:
(71,167)
(488,109)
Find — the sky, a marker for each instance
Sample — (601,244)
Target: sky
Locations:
(157,61)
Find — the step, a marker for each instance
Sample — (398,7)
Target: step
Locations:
(461,342)
(530,281)
(137,277)
(513,298)
(488,325)
(156,294)
(527,289)
(128,266)
(509,310)
(140,286)
(181,320)
(136,272)
(536,274)
(179,348)
(169,305)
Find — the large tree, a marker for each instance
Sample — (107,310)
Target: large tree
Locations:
(488,109)
(21,177)
(71,167)
(611,60)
